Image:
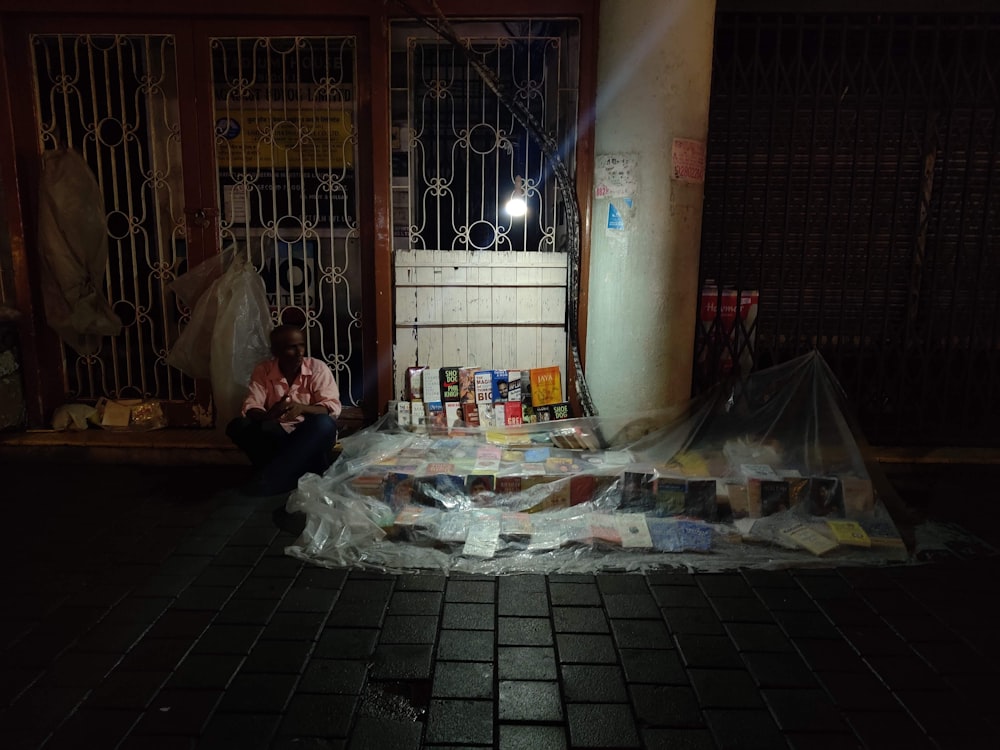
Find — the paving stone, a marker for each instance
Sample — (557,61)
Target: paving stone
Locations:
(917,629)
(666,706)
(76,669)
(758,636)
(779,670)
(525,583)
(238,556)
(693,620)
(786,599)
(822,741)
(652,634)
(122,689)
(207,598)
(743,729)
(535,700)
(670,577)
(402,662)
(741,609)
(823,655)
(380,733)
(707,651)
(948,658)
(227,639)
(604,725)
(655,667)
(155,655)
(674,597)
(526,663)
(277,657)
(357,613)
(346,643)
(468,616)
(222,575)
(463,679)
(460,721)
(139,609)
(205,671)
(179,625)
(366,589)
(677,739)
(239,730)
(632,606)
(943,713)
(572,578)
(804,710)
(178,712)
(328,578)
(889,729)
(905,672)
(574,595)
(338,676)
(513,603)
(592,683)
(524,631)
(409,629)
(259,587)
(857,691)
(579,620)
(246,612)
(824,585)
(724,688)
(318,716)
(531,737)
(294,626)
(465,645)
(93,728)
(483,592)
(258,693)
(421,582)
(799,624)
(622,584)
(306,599)
(415,603)
(585,648)
(723,585)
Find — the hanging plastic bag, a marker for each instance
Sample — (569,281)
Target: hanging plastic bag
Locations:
(228,330)
(73,247)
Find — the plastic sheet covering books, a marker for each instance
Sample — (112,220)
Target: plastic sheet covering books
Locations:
(763,472)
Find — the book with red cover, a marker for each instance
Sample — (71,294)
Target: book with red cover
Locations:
(546,385)
(511,412)
(470,414)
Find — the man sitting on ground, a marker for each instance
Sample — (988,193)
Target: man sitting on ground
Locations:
(288,424)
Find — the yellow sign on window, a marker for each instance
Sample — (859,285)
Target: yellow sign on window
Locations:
(300,139)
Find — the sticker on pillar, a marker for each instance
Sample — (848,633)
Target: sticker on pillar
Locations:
(688,160)
(615,175)
(619,215)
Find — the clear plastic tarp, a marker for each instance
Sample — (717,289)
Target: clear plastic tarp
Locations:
(763,472)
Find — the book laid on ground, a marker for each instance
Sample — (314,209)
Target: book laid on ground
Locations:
(546,385)
(808,538)
(849,532)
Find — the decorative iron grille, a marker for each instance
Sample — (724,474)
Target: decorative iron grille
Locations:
(286,141)
(113,99)
(461,155)
(854,182)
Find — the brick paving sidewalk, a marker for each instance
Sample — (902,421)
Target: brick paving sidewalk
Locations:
(143,614)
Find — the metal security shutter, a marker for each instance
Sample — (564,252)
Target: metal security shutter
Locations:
(854,182)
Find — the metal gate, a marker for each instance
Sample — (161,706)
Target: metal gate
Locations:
(853,183)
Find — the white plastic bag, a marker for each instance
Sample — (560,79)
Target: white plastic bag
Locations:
(229,328)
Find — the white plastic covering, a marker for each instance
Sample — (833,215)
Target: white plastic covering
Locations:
(73,245)
(228,331)
(755,473)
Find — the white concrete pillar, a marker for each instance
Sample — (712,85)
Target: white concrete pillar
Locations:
(654,77)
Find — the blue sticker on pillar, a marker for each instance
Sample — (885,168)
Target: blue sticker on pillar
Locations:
(616,215)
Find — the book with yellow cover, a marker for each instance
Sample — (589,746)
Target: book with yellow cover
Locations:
(546,385)
(849,532)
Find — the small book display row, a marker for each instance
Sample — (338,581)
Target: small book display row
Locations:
(436,399)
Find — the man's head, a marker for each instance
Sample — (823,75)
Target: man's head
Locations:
(288,345)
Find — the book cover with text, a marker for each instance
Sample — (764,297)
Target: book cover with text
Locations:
(467,384)
(449,380)
(546,385)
